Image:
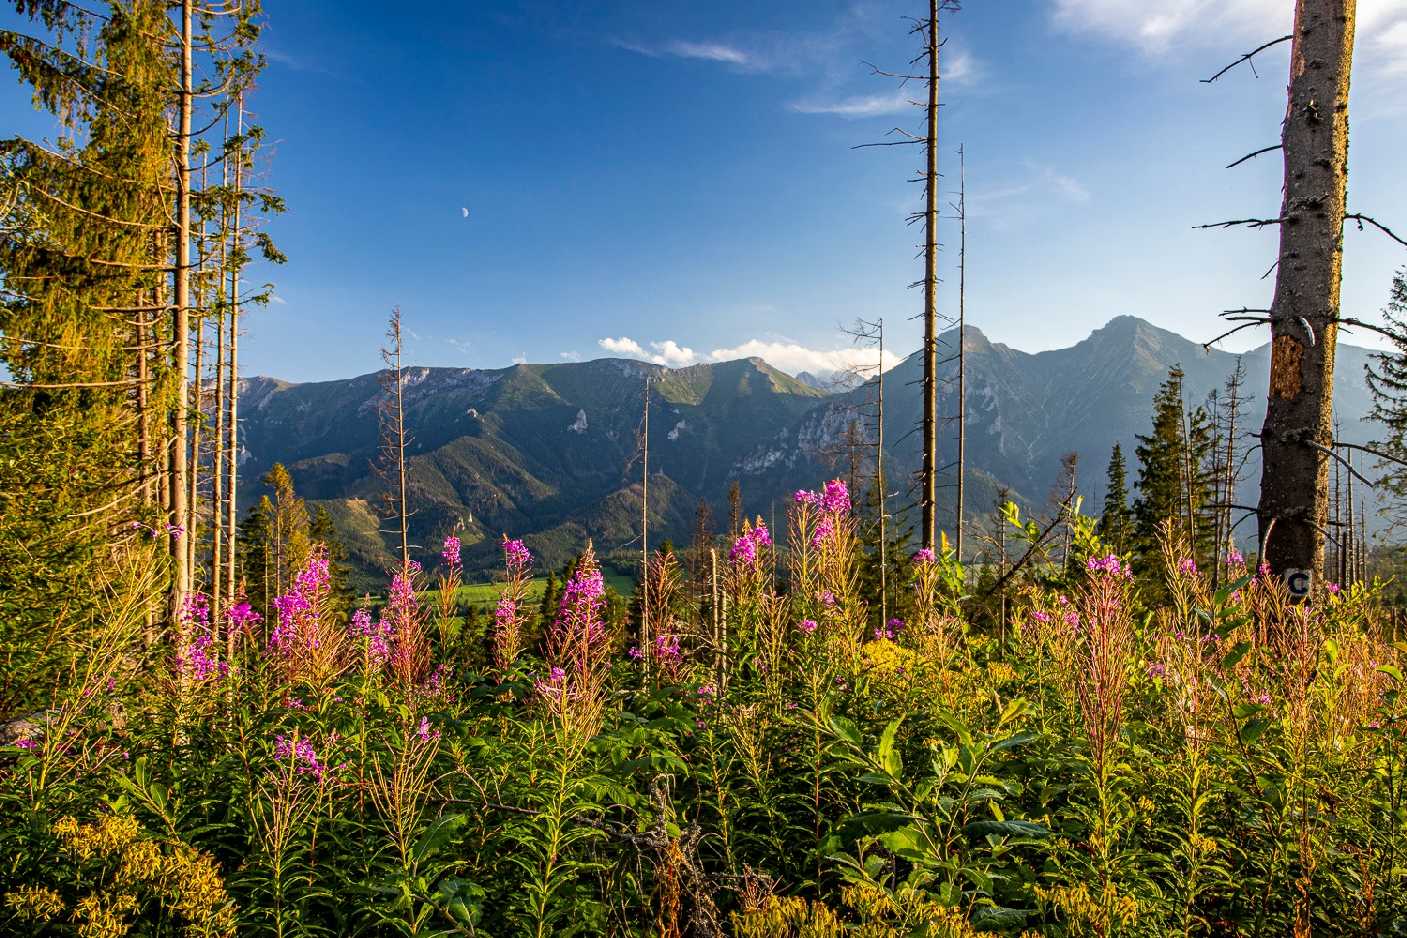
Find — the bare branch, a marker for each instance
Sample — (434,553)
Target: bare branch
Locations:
(1251,156)
(1251,222)
(1247,58)
(1361,218)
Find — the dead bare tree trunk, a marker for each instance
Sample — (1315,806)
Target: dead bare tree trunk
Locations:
(393,432)
(232,447)
(180,324)
(1305,309)
(930,293)
(962,347)
(645,535)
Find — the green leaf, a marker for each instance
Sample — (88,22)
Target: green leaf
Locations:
(1253,729)
(1392,671)
(1234,656)
(889,758)
(1007,828)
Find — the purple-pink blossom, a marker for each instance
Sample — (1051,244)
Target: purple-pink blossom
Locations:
(1109,564)
(923,556)
(450,554)
(516,555)
(808,626)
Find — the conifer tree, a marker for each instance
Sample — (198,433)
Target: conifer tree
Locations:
(1171,482)
(1116,520)
(323,531)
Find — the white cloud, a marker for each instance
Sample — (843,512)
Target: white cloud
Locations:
(1160,27)
(520,359)
(668,352)
(571,356)
(790,357)
(701,51)
(1067,186)
(275,298)
(794,358)
(623,346)
(708,52)
(868,105)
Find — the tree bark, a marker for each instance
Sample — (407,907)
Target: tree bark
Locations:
(180,326)
(930,294)
(1299,406)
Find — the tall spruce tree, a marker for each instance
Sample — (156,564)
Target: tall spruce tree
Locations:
(81,265)
(1172,484)
(1116,522)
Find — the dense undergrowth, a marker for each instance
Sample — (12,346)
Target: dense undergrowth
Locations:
(762,763)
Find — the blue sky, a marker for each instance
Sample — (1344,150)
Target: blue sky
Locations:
(678,177)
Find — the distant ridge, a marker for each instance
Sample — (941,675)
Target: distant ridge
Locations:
(540,450)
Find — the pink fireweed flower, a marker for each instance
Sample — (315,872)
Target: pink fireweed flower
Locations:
(827,598)
(1109,565)
(1235,558)
(24,742)
(241,615)
(1188,566)
(1041,616)
(923,556)
(823,531)
(747,548)
(889,630)
(743,552)
(667,647)
(196,660)
(835,497)
(424,731)
(516,555)
(377,636)
(635,653)
(808,626)
(299,755)
(707,692)
(1334,589)
(450,554)
(806,497)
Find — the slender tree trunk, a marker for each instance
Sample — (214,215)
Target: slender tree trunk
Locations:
(1305,308)
(962,346)
(645,536)
(180,326)
(880,486)
(197,393)
(232,423)
(217,459)
(930,294)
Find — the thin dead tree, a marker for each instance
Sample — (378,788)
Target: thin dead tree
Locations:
(644,638)
(962,349)
(391,462)
(180,325)
(872,332)
(929,28)
(236,261)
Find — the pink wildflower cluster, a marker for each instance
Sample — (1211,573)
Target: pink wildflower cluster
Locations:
(1110,565)
(377,635)
(516,554)
(424,732)
(578,651)
(294,605)
(890,630)
(195,659)
(508,615)
(747,548)
(808,626)
(242,616)
(1235,558)
(300,755)
(1187,566)
(834,497)
(450,553)
(923,557)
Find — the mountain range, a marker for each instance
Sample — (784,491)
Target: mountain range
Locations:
(549,452)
